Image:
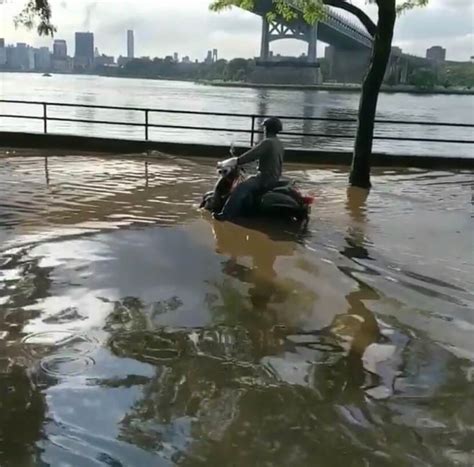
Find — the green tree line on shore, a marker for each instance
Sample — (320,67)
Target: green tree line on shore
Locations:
(238,69)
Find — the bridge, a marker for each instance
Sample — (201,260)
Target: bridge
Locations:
(352,42)
(333,29)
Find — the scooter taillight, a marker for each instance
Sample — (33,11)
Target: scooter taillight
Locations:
(308,200)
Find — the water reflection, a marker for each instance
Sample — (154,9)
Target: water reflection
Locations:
(357,210)
(308,112)
(168,339)
(262,109)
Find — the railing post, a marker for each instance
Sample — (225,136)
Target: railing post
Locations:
(45,117)
(252,134)
(146,124)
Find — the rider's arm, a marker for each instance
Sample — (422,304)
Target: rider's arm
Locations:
(253,154)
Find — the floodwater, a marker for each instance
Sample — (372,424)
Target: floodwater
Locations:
(174,95)
(134,331)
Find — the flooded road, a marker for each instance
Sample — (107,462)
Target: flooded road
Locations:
(135,331)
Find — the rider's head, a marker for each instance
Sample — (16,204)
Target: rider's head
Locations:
(272,126)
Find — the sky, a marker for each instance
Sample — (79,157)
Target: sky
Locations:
(163,27)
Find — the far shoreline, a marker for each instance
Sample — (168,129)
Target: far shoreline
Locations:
(339,87)
(327,87)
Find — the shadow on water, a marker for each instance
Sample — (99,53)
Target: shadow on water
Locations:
(22,414)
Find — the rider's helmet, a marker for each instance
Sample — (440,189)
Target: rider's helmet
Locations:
(273,125)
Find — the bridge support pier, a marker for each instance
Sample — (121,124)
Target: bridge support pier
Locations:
(347,65)
(313,43)
(292,74)
(265,45)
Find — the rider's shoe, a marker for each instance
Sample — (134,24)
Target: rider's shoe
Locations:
(220,216)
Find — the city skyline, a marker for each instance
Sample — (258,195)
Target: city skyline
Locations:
(86,55)
(235,33)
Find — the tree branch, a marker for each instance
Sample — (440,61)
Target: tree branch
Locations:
(361,16)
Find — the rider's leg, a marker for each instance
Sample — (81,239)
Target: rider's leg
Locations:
(233,206)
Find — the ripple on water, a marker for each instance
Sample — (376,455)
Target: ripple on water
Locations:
(61,353)
(66,365)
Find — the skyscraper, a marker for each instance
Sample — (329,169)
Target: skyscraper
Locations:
(84,56)
(130,45)
(3,53)
(22,57)
(42,59)
(59,48)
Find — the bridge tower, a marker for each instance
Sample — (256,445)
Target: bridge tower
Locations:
(273,31)
(295,71)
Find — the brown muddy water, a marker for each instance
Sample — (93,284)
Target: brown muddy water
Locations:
(134,331)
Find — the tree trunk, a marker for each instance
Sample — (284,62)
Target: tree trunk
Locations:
(360,170)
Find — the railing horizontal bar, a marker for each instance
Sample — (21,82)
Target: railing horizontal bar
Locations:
(238,130)
(425,140)
(30,117)
(101,122)
(202,128)
(415,122)
(388,138)
(135,109)
(238,115)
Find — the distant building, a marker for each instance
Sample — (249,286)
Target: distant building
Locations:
(396,51)
(59,48)
(42,59)
(62,64)
(21,57)
(209,57)
(122,61)
(186,59)
(176,57)
(3,53)
(130,45)
(104,60)
(214,55)
(84,54)
(436,53)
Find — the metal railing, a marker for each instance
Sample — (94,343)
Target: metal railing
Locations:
(252,131)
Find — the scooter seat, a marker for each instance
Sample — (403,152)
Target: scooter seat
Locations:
(283,184)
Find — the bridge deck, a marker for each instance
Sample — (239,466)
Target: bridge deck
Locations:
(335,29)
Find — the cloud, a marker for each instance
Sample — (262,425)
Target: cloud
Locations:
(89,11)
(186,26)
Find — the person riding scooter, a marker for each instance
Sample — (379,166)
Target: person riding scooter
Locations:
(269,154)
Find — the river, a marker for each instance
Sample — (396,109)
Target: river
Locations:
(188,96)
(135,331)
